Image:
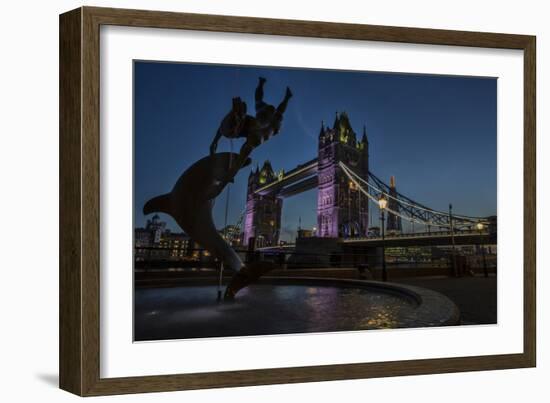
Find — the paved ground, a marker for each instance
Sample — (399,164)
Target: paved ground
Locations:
(476,297)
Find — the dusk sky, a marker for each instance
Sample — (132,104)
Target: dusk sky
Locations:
(436,134)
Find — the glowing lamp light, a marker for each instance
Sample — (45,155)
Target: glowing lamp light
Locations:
(480,226)
(382,203)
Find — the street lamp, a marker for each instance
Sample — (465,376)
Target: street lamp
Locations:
(452,228)
(480,228)
(382,204)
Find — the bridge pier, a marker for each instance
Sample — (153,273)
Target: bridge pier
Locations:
(315,252)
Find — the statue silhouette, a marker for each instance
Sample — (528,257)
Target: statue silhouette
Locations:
(256,130)
(190,204)
(192,198)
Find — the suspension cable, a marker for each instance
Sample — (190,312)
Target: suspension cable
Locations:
(350,173)
(412,219)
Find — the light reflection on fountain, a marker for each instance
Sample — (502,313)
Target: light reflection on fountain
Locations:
(261,309)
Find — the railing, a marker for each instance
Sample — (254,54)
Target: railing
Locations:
(409,264)
(431,234)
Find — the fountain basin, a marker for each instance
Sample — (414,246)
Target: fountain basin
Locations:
(276,305)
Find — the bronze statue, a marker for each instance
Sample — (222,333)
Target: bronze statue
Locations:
(256,130)
(190,203)
(191,200)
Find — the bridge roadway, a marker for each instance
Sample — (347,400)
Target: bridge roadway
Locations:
(439,238)
(297,180)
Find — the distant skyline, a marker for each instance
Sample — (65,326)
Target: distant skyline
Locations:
(435,134)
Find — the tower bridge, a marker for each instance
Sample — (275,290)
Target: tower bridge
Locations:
(298,180)
(345,186)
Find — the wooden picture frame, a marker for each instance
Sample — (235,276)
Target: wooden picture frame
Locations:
(79,201)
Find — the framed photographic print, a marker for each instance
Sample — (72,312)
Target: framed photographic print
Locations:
(248,201)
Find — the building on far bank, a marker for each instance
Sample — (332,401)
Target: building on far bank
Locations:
(156,228)
(155,242)
(175,244)
(232,234)
(409,254)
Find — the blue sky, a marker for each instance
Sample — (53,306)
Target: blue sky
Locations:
(436,134)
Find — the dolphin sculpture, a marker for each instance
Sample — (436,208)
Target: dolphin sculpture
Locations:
(191,201)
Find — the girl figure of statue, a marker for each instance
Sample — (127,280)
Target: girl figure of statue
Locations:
(255,129)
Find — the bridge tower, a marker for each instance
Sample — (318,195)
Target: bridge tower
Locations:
(263,213)
(342,210)
(393,225)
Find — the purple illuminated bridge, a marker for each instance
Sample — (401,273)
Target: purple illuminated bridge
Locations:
(341,174)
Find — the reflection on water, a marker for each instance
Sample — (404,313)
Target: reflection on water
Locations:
(192,311)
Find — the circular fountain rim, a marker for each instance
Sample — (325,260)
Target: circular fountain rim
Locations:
(434,308)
